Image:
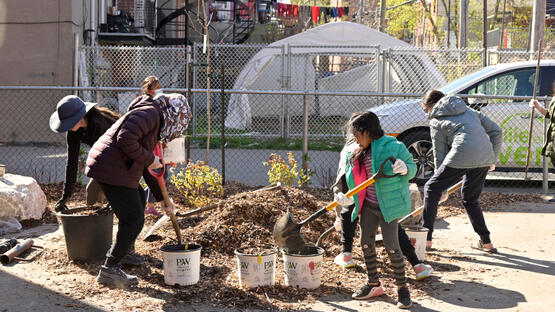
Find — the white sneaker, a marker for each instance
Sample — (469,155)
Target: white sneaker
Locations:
(422,271)
(345,260)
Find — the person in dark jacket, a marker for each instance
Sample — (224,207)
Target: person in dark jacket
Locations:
(84,122)
(466,144)
(121,157)
(152,87)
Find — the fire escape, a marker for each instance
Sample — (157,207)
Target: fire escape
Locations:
(230,22)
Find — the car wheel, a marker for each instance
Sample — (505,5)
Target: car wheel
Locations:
(419,145)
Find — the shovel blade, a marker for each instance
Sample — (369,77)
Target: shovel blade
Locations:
(287,233)
(156,226)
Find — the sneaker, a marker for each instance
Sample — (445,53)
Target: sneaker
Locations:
(368,291)
(344,259)
(131,259)
(404,301)
(422,271)
(152,210)
(114,276)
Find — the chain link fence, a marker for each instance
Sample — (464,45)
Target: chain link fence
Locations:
(267,99)
(28,147)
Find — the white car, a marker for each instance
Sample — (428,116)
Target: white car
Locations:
(407,121)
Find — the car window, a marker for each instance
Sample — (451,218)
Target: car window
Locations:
(516,82)
(450,87)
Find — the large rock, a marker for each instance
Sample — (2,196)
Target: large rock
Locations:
(21,197)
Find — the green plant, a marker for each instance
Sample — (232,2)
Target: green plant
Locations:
(199,183)
(285,173)
(82,161)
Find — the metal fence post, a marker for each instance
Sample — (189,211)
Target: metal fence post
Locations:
(287,121)
(282,97)
(194,85)
(76,62)
(545,162)
(378,68)
(188,86)
(222,109)
(305,132)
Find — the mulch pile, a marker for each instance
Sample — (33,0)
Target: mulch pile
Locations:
(245,218)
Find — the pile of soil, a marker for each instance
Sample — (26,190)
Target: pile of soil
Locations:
(245,218)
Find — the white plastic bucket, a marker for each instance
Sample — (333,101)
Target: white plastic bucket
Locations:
(417,236)
(304,270)
(181,264)
(256,269)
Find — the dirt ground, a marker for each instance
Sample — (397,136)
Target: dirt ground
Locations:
(519,278)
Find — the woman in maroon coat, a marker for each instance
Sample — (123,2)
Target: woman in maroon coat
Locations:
(121,157)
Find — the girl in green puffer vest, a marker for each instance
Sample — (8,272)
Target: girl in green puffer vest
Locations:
(382,203)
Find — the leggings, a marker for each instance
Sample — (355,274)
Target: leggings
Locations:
(371,218)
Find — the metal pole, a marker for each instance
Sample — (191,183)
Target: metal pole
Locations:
(485,32)
(186,29)
(188,83)
(93,22)
(282,97)
(76,62)
(545,163)
(287,122)
(305,132)
(222,109)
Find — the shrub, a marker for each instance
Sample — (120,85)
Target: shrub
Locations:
(199,183)
(285,173)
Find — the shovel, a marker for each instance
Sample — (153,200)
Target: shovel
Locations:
(418,210)
(287,233)
(159,175)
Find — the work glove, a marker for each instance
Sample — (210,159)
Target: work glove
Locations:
(61,204)
(168,208)
(533,103)
(156,164)
(342,199)
(400,167)
(337,224)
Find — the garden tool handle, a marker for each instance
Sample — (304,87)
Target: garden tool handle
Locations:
(168,202)
(419,210)
(160,178)
(533,110)
(354,191)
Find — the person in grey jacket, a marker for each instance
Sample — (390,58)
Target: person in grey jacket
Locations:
(466,144)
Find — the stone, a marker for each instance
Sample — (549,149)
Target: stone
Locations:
(21,197)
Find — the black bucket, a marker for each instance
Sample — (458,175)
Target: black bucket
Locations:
(88,237)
